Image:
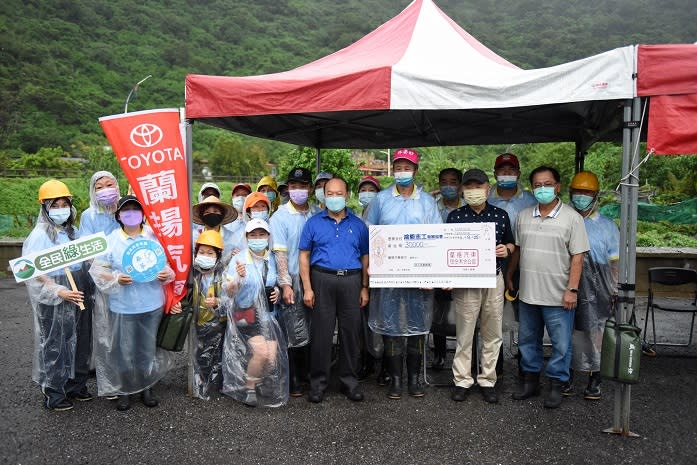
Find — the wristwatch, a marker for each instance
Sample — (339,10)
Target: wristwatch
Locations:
(572,289)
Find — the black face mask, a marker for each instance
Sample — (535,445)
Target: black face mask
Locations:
(212,219)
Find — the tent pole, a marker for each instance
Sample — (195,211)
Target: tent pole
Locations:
(580,157)
(318,162)
(189,151)
(627,266)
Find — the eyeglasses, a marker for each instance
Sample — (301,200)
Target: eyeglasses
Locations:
(545,184)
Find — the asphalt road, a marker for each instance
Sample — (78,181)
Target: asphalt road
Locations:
(431,430)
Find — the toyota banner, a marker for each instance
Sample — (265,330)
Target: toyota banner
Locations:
(148,145)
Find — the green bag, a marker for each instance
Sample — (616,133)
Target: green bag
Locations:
(173,329)
(621,352)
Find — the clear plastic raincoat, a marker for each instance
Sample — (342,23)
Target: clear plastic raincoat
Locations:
(62,332)
(98,217)
(595,291)
(207,331)
(127,360)
(254,351)
(395,311)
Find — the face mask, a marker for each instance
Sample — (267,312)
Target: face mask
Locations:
(545,195)
(581,202)
(257,245)
(366,197)
(474,197)
(212,219)
(319,194)
(404,178)
(131,217)
(507,182)
(59,215)
(107,196)
(238,203)
(335,204)
(298,196)
(263,215)
(448,192)
(271,195)
(204,262)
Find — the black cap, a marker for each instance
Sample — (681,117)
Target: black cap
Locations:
(300,175)
(474,174)
(128,198)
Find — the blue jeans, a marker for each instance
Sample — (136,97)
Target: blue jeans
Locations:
(560,324)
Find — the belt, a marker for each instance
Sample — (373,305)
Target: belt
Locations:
(322,269)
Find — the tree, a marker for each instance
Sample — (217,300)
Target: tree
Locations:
(338,162)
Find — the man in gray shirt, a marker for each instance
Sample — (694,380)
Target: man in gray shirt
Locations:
(552,240)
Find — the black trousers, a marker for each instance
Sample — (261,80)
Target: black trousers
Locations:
(336,297)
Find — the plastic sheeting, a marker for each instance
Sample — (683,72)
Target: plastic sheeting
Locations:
(207,334)
(596,289)
(295,318)
(127,360)
(254,352)
(401,312)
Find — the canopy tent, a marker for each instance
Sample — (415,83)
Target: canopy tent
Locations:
(421,80)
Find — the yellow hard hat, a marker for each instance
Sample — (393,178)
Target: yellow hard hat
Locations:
(53,189)
(212,238)
(585,180)
(268,181)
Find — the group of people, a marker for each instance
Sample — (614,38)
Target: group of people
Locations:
(274,274)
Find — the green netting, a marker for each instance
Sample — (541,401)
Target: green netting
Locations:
(680,213)
(6,222)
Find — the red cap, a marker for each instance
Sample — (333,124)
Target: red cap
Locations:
(407,154)
(370,180)
(506,159)
(242,184)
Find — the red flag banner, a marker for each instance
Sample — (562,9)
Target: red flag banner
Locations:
(673,125)
(149,147)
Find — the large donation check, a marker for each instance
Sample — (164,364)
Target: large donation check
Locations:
(459,255)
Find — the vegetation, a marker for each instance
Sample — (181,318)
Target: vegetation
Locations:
(65,63)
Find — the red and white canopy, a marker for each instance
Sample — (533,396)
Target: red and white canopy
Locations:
(418,80)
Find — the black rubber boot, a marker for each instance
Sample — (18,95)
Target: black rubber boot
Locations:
(394,365)
(439,352)
(529,386)
(383,378)
(553,397)
(294,384)
(148,399)
(592,391)
(123,403)
(416,389)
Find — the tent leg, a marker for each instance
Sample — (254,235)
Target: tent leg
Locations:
(580,157)
(317,160)
(627,265)
(189,149)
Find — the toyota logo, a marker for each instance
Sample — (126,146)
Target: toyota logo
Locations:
(146,135)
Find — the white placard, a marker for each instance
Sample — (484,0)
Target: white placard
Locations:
(457,255)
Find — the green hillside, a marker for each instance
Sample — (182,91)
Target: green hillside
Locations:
(64,63)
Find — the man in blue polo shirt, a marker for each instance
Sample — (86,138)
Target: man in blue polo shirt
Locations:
(482,303)
(334,272)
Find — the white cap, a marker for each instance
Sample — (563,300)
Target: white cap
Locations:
(257,223)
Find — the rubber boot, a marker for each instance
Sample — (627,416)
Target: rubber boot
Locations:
(553,397)
(383,378)
(394,365)
(294,384)
(123,403)
(148,399)
(439,352)
(529,386)
(416,389)
(592,391)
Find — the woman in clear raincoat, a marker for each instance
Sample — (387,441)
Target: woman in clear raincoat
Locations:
(598,286)
(208,331)
(62,332)
(127,360)
(104,196)
(402,315)
(255,360)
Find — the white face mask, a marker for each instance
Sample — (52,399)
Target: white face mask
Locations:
(238,202)
(204,262)
(59,215)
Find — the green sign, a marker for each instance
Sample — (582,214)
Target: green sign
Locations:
(58,257)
